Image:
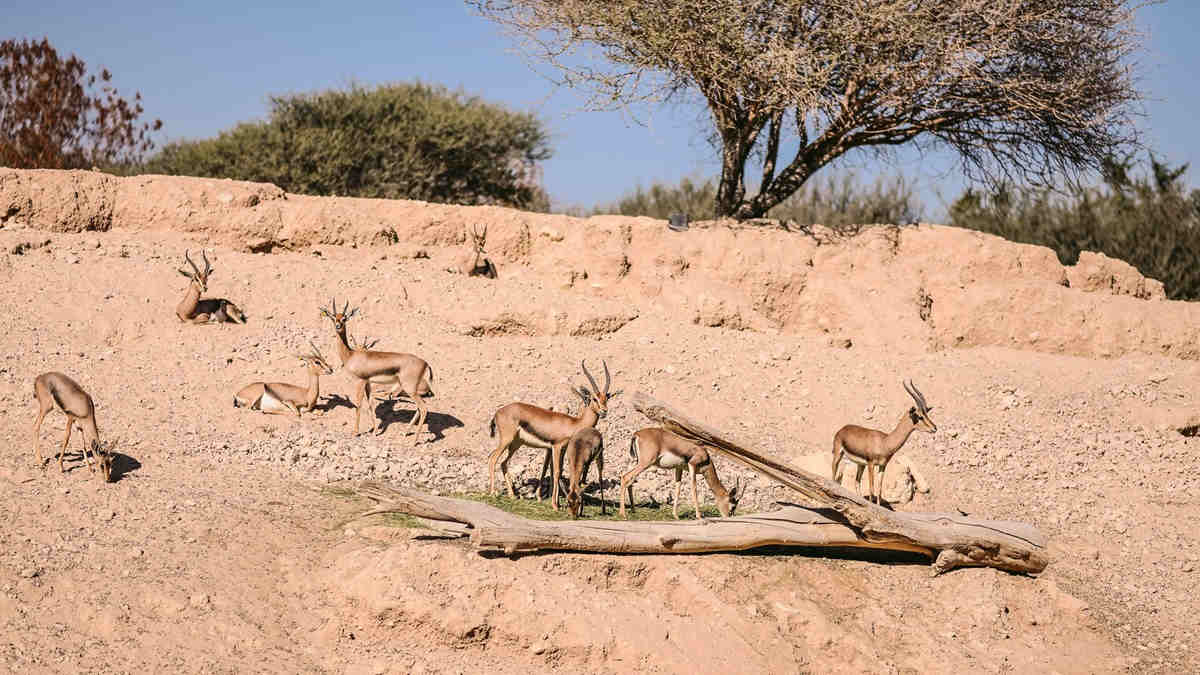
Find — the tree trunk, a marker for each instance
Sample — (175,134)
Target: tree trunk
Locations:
(842,520)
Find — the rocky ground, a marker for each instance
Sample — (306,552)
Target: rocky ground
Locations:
(222,548)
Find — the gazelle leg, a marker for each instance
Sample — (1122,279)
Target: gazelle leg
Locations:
(62,452)
(506,452)
(37,431)
(371,406)
(83,441)
(678,484)
(626,486)
(600,470)
(556,467)
(837,463)
(419,418)
(879,498)
(695,498)
(871,478)
(858,472)
(359,391)
(545,470)
(494,457)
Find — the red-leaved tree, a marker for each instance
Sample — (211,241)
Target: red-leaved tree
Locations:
(53,115)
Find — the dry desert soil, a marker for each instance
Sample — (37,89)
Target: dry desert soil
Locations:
(1066,397)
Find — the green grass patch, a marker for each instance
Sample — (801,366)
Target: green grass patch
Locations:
(535,510)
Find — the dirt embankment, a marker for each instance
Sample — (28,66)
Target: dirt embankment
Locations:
(208,555)
(937,286)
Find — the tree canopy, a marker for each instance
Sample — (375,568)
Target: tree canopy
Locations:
(53,117)
(1019,89)
(396,141)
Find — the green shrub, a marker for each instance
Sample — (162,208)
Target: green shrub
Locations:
(397,141)
(837,202)
(1151,221)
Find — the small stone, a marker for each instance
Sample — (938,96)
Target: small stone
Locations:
(199,600)
(29,572)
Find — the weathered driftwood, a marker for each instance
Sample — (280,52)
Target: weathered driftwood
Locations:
(953,541)
(840,519)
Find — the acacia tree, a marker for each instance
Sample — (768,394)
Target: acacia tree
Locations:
(53,117)
(1028,89)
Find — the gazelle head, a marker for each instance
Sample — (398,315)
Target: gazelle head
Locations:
(596,398)
(315,361)
(574,504)
(919,414)
(339,319)
(103,451)
(199,278)
(727,503)
(479,236)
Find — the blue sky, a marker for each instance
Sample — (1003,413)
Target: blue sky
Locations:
(202,67)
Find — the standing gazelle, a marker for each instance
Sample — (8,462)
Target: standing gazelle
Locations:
(408,374)
(661,448)
(57,390)
(869,448)
(280,398)
(586,446)
(523,424)
(209,310)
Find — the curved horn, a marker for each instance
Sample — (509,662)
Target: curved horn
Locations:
(207,265)
(316,351)
(591,379)
(188,258)
(916,395)
(607,376)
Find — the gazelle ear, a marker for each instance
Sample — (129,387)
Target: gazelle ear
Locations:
(186,274)
(615,393)
(584,394)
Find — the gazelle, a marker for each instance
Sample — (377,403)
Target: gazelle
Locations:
(655,447)
(280,398)
(209,310)
(408,374)
(523,424)
(585,446)
(57,390)
(475,263)
(869,448)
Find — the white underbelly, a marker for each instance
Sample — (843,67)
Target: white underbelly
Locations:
(530,439)
(669,460)
(269,403)
(857,460)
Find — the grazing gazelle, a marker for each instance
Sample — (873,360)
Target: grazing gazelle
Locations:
(523,424)
(869,448)
(474,262)
(209,310)
(585,446)
(279,398)
(660,448)
(409,375)
(57,390)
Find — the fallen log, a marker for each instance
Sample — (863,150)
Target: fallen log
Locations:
(953,541)
(836,519)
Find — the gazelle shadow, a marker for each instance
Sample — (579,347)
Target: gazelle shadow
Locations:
(437,422)
(333,401)
(123,464)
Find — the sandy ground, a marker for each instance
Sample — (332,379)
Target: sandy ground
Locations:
(220,548)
